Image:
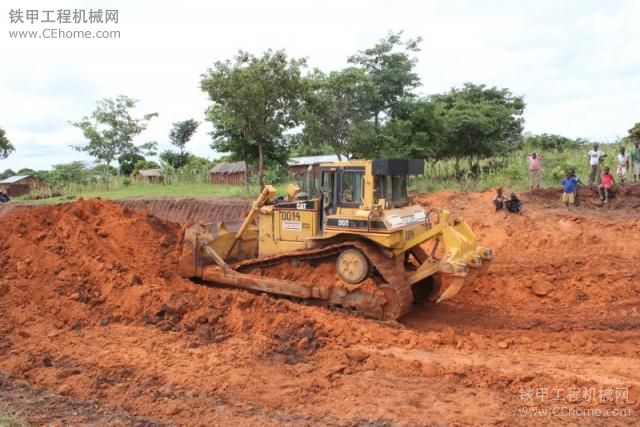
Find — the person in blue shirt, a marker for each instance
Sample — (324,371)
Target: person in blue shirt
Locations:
(576,202)
(570,187)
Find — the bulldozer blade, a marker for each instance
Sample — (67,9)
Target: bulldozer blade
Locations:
(257,283)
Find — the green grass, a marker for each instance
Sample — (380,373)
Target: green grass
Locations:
(145,190)
(9,420)
(515,175)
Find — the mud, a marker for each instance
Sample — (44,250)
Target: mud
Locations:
(91,310)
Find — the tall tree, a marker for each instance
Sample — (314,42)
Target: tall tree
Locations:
(480,122)
(255,101)
(111,128)
(180,134)
(416,130)
(389,67)
(332,109)
(6,147)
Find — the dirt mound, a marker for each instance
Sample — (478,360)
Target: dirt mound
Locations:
(7,208)
(94,262)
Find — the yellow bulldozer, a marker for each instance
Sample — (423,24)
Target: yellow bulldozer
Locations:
(385,251)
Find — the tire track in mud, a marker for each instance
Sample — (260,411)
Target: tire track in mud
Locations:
(609,370)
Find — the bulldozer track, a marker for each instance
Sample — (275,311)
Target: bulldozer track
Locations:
(398,294)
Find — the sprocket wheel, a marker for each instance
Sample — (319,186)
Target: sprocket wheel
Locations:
(352,266)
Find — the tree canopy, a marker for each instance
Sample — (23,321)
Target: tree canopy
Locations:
(263,108)
(634,132)
(111,128)
(333,110)
(389,68)
(480,121)
(180,134)
(6,147)
(127,162)
(255,100)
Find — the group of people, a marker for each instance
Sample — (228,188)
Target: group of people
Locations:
(4,197)
(604,181)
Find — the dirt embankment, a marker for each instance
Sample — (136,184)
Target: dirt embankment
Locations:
(176,210)
(91,308)
(193,210)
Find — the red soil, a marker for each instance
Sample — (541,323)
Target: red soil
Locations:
(91,308)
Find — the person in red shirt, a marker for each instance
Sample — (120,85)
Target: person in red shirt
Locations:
(605,185)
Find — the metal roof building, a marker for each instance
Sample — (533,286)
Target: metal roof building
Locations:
(14,179)
(19,185)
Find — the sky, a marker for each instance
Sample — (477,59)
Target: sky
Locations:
(577,63)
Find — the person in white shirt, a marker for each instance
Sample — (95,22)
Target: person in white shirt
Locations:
(595,157)
(623,164)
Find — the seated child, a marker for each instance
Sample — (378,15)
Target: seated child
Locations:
(514,205)
(499,200)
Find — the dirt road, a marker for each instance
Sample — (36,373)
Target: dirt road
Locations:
(91,310)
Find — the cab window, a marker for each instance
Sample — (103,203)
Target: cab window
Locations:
(392,188)
(399,189)
(351,190)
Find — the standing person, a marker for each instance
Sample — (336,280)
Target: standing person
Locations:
(635,160)
(595,157)
(607,183)
(572,174)
(534,169)
(569,187)
(623,165)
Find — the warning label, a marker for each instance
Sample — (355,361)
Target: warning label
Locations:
(292,225)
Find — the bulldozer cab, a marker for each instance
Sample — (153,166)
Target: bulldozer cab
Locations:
(359,185)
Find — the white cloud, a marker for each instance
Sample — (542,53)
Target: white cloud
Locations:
(575,62)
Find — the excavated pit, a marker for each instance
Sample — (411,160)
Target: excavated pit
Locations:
(91,309)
